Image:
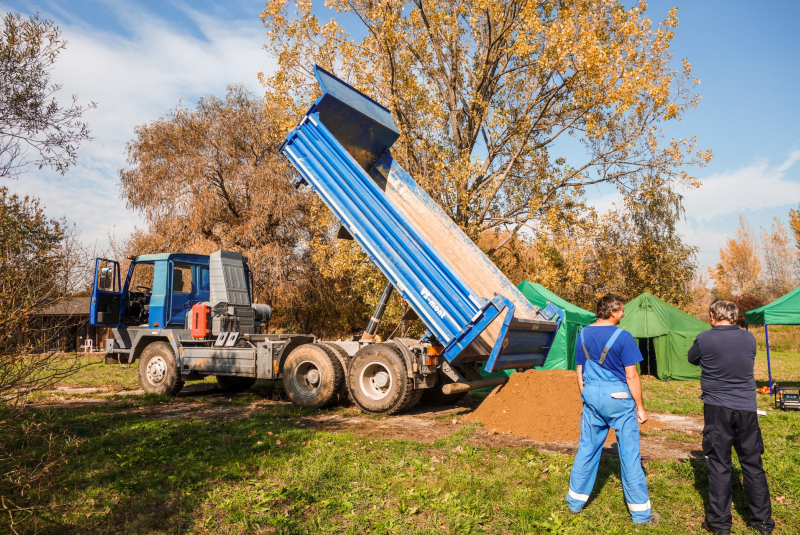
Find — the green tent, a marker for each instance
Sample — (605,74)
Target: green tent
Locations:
(562,352)
(664,334)
(783,311)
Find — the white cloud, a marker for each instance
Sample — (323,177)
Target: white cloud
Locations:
(708,240)
(135,79)
(756,190)
(753,187)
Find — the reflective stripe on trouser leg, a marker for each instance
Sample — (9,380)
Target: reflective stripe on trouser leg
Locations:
(639,507)
(634,483)
(587,460)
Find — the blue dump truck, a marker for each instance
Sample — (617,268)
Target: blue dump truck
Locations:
(185,316)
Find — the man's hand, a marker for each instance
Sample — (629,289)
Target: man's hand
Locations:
(635,386)
(641,415)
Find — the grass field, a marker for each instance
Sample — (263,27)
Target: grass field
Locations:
(127,473)
(781,337)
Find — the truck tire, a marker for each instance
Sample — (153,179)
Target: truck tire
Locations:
(344,360)
(158,370)
(379,382)
(434,397)
(413,399)
(229,383)
(313,376)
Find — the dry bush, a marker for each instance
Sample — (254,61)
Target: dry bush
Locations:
(782,338)
(40,264)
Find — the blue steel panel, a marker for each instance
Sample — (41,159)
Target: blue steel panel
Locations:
(523,345)
(159,296)
(96,292)
(439,296)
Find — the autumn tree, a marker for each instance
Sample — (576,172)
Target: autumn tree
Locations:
(484,92)
(211,178)
(794,225)
(34,127)
(739,267)
(700,296)
(37,263)
(632,249)
(779,257)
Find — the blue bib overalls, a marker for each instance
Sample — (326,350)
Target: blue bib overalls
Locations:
(607,403)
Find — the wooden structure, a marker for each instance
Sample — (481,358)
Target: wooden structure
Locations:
(65,325)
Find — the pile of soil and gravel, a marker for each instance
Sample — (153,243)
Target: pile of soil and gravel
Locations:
(542,405)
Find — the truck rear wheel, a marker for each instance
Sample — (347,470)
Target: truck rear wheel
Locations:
(313,376)
(158,370)
(434,397)
(344,360)
(379,382)
(233,384)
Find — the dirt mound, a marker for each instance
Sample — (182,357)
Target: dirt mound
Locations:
(542,405)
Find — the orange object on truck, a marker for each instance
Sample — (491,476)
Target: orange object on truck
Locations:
(199,321)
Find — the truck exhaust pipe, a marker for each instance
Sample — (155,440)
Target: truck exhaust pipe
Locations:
(375,320)
(455,388)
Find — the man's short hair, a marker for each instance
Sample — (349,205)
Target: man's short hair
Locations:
(722,309)
(607,304)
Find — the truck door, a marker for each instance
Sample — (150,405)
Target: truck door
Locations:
(106,303)
(181,297)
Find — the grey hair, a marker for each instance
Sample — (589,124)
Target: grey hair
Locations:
(722,309)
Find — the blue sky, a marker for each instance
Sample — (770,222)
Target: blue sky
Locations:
(136,59)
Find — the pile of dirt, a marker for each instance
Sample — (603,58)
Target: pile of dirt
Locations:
(543,405)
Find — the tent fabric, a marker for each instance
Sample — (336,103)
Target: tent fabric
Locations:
(562,352)
(783,311)
(671,331)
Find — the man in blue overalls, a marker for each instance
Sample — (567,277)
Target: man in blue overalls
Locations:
(611,390)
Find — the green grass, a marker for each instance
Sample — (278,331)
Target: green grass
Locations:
(129,474)
(781,337)
(683,397)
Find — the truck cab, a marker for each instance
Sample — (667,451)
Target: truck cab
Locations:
(156,293)
(185,316)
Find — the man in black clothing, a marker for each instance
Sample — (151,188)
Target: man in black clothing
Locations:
(726,355)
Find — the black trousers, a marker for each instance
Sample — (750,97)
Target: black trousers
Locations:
(725,428)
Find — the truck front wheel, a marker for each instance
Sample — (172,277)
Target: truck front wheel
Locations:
(378,380)
(313,376)
(158,371)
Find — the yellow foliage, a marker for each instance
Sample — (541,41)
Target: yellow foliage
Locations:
(739,266)
(483,91)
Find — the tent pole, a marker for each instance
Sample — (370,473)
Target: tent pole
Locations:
(769,368)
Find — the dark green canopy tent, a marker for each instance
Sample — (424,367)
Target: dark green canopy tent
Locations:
(664,334)
(783,311)
(562,352)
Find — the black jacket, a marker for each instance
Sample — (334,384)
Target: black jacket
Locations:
(726,354)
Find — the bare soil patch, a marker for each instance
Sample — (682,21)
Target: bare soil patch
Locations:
(421,427)
(541,405)
(669,436)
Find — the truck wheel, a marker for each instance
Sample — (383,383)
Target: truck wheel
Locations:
(434,397)
(158,371)
(413,399)
(344,360)
(313,376)
(229,383)
(378,380)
